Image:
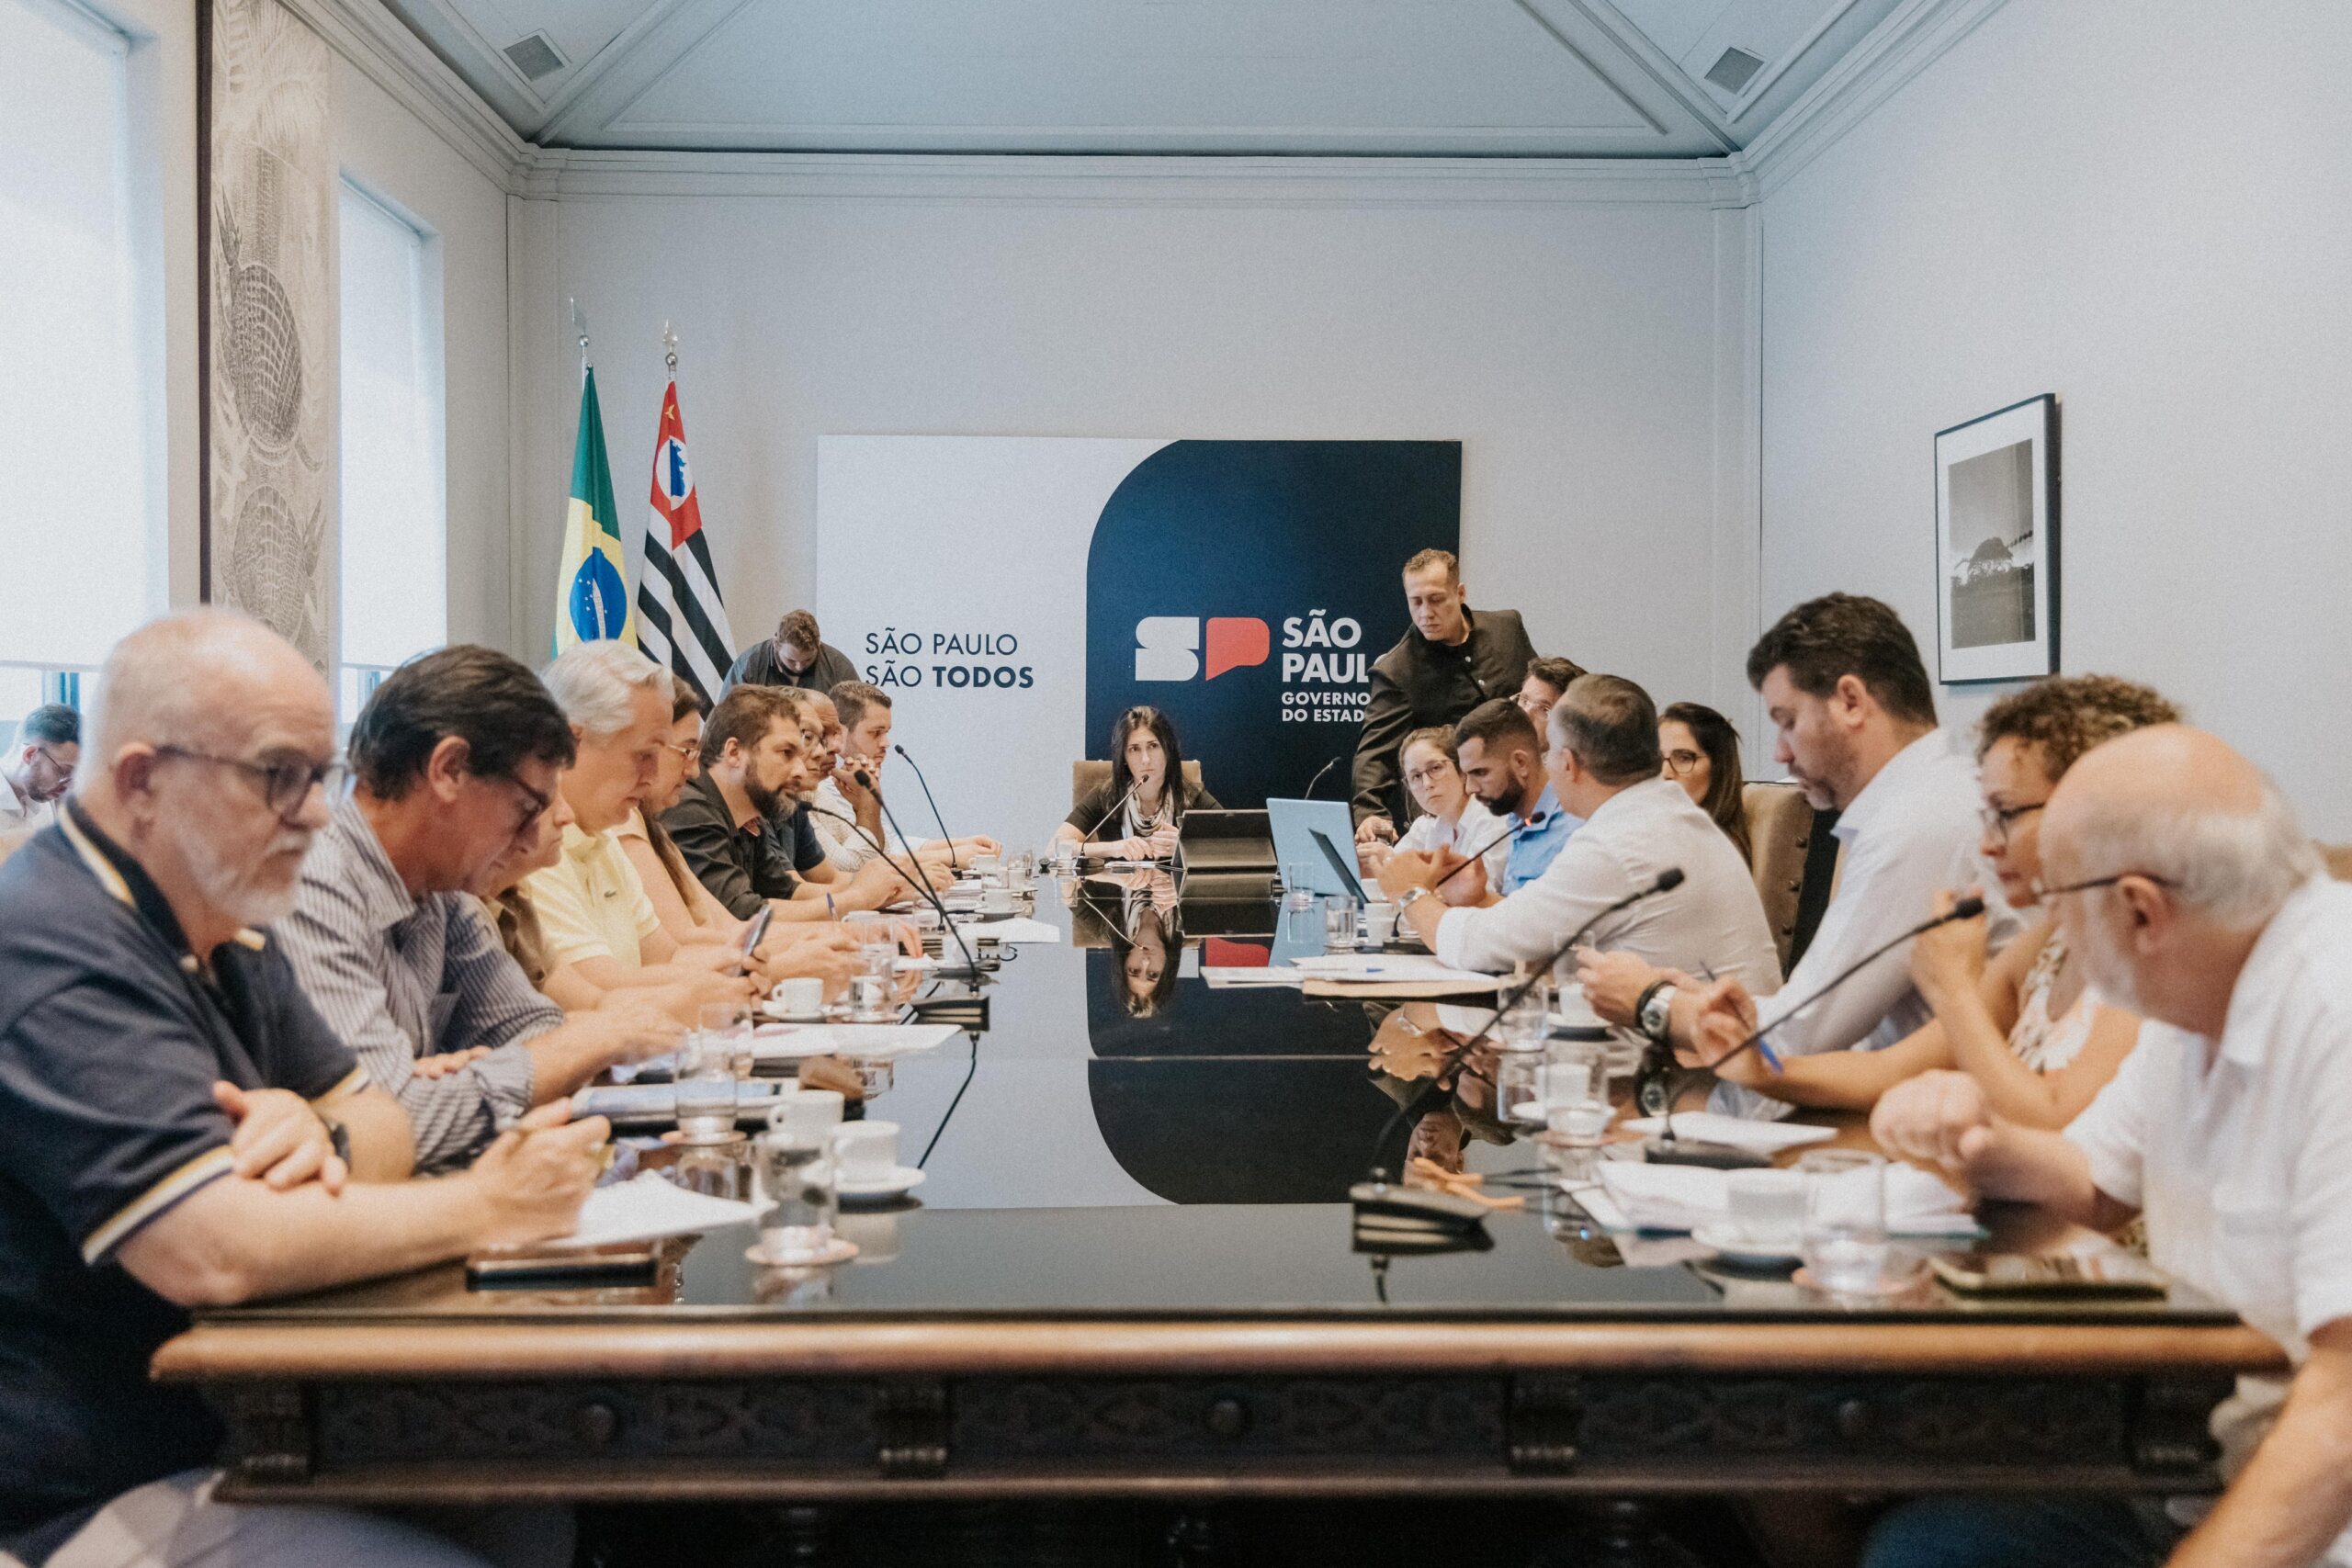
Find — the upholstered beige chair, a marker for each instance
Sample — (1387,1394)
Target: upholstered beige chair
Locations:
(1780,835)
(2339,861)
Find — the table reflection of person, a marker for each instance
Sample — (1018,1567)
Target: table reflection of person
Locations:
(1145,937)
(1411,1052)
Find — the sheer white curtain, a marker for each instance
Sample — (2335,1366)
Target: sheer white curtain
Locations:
(395,573)
(80,534)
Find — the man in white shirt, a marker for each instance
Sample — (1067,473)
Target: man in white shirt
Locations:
(1856,723)
(39,767)
(2180,875)
(857,740)
(1604,766)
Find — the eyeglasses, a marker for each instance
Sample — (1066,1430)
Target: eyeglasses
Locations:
(1999,819)
(64,769)
(286,786)
(687,751)
(1417,776)
(534,805)
(1682,764)
(2043,892)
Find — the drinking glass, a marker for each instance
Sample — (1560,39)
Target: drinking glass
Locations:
(1519,1086)
(732,1023)
(1844,1244)
(877,940)
(1298,886)
(1575,1091)
(1526,1021)
(874,1074)
(706,1084)
(1338,924)
(800,1178)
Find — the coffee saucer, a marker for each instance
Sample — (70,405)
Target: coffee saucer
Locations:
(1731,1242)
(902,1180)
(841,1249)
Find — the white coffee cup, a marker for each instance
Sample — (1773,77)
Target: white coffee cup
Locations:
(997,901)
(986,865)
(1379,921)
(806,1112)
(1766,1205)
(866,1151)
(803,997)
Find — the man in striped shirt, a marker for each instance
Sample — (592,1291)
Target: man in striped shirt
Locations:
(455,757)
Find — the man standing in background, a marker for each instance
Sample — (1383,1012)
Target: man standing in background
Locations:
(1450,661)
(39,767)
(797,656)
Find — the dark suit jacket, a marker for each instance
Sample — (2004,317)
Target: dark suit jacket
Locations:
(758,666)
(1418,684)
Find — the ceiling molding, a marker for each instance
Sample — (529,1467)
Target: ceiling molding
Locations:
(577,173)
(1911,38)
(626,69)
(382,49)
(1635,46)
(1753,94)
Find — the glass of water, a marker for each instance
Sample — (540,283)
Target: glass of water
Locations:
(1298,887)
(706,1084)
(732,1022)
(1575,1091)
(1519,1086)
(799,1179)
(1844,1244)
(1338,924)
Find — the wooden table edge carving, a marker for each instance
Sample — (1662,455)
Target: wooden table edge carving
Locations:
(283,1351)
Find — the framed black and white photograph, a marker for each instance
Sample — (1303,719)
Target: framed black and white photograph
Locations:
(1997,544)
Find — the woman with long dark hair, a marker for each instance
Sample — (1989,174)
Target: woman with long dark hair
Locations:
(1146,798)
(1702,755)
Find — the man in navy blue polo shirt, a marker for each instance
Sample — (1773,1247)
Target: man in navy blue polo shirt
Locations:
(183,1130)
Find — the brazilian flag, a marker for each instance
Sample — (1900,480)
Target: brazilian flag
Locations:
(593,602)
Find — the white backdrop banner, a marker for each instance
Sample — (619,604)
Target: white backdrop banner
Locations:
(952,571)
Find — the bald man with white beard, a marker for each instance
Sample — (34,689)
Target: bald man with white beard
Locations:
(2179,874)
(184,1130)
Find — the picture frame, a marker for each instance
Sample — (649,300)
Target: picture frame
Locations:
(1997,544)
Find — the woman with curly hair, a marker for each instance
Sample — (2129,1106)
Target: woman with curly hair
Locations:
(2022,1024)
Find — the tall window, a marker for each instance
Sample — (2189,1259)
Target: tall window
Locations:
(81,531)
(395,573)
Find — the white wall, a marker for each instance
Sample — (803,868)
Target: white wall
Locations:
(2138,205)
(1571,344)
(396,157)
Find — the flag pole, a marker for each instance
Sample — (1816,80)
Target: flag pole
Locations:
(670,350)
(580,328)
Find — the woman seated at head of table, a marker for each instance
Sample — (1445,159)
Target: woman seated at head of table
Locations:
(1452,817)
(1145,799)
(2022,1024)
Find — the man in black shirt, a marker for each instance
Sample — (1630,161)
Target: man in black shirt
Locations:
(797,656)
(183,1128)
(1450,661)
(737,826)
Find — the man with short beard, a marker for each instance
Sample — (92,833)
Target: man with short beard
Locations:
(184,1130)
(735,824)
(1856,719)
(2180,875)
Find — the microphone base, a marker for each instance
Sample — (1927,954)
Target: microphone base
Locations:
(963,1012)
(1696,1151)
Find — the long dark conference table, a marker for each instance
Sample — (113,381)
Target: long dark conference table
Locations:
(1129,1273)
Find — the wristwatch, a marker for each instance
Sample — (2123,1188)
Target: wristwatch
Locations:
(338,1136)
(1411,897)
(1655,1012)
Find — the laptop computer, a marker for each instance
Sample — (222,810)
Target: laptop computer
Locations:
(1328,866)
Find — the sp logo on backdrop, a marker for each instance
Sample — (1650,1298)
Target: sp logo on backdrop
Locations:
(1245,587)
(1165,645)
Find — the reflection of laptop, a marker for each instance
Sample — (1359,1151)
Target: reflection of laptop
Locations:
(1326,870)
(1226,841)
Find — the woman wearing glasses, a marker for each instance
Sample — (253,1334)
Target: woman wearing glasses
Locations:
(2022,1024)
(1701,751)
(1452,817)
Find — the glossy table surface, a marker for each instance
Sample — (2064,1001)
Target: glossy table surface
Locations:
(1088,1158)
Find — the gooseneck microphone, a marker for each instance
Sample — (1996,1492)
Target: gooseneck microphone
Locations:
(1468,861)
(1666,882)
(935,817)
(1116,807)
(1662,1074)
(1317,778)
(913,873)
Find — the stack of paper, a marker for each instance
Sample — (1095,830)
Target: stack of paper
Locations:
(1222,978)
(1636,1196)
(871,1042)
(647,1207)
(1385,969)
(1013,929)
(1763,1137)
